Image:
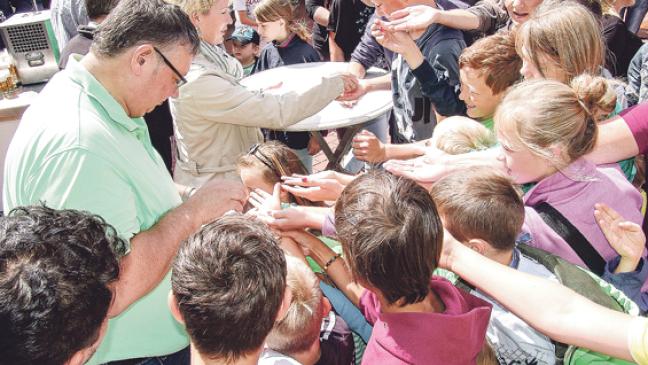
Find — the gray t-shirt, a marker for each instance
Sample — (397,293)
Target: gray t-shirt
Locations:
(512,339)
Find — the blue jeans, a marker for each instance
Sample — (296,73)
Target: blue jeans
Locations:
(177,358)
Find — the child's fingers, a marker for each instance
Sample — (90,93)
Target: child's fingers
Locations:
(299,191)
(630,226)
(276,191)
(262,193)
(397,16)
(607,211)
(304,181)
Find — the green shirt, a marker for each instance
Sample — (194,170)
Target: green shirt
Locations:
(77,148)
(489,123)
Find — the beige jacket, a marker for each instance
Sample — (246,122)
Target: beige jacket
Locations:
(216,119)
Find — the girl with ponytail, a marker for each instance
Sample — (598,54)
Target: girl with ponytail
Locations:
(289,44)
(545,128)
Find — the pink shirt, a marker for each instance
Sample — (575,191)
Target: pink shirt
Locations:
(455,336)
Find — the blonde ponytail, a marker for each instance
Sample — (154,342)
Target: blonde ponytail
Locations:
(546,113)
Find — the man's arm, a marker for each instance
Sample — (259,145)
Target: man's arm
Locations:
(153,250)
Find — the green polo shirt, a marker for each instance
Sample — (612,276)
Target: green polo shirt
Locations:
(489,123)
(77,148)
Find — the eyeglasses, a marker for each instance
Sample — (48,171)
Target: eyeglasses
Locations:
(181,80)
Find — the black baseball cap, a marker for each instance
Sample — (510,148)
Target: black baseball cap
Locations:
(244,35)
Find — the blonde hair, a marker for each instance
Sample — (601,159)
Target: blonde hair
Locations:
(273,10)
(300,328)
(567,34)
(457,135)
(546,113)
(193,6)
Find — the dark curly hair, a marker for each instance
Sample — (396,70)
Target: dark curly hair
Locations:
(55,268)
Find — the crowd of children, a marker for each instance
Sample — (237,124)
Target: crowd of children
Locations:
(500,224)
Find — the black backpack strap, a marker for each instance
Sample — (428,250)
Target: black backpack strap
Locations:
(565,229)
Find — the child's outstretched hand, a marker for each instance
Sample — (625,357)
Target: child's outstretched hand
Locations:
(625,237)
(265,202)
(396,41)
(413,18)
(367,147)
(313,187)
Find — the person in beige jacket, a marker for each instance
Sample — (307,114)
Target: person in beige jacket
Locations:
(216,119)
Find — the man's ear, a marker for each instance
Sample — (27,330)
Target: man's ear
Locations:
(173,306)
(479,245)
(79,358)
(141,56)
(285,305)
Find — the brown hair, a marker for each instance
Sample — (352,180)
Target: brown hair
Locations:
(391,235)
(229,280)
(274,160)
(300,328)
(494,56)
(480,203)
(567,34)
(273,10)
(557,114)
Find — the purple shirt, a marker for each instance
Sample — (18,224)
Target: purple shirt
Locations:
(637,120)
(455,336)
(575,201)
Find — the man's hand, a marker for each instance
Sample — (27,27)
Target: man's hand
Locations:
(216,197)
(367,147)
(413,18)
(625,237)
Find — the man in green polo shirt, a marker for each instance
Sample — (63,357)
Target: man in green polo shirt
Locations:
(83,145)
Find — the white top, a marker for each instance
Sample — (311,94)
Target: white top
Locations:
(302,76)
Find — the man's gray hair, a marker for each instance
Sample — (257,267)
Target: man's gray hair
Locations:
(135,22)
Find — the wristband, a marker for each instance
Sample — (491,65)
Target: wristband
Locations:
(331,261)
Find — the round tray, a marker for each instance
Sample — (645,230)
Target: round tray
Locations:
(304,76)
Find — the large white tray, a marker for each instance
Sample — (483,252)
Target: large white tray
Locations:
(305,75)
